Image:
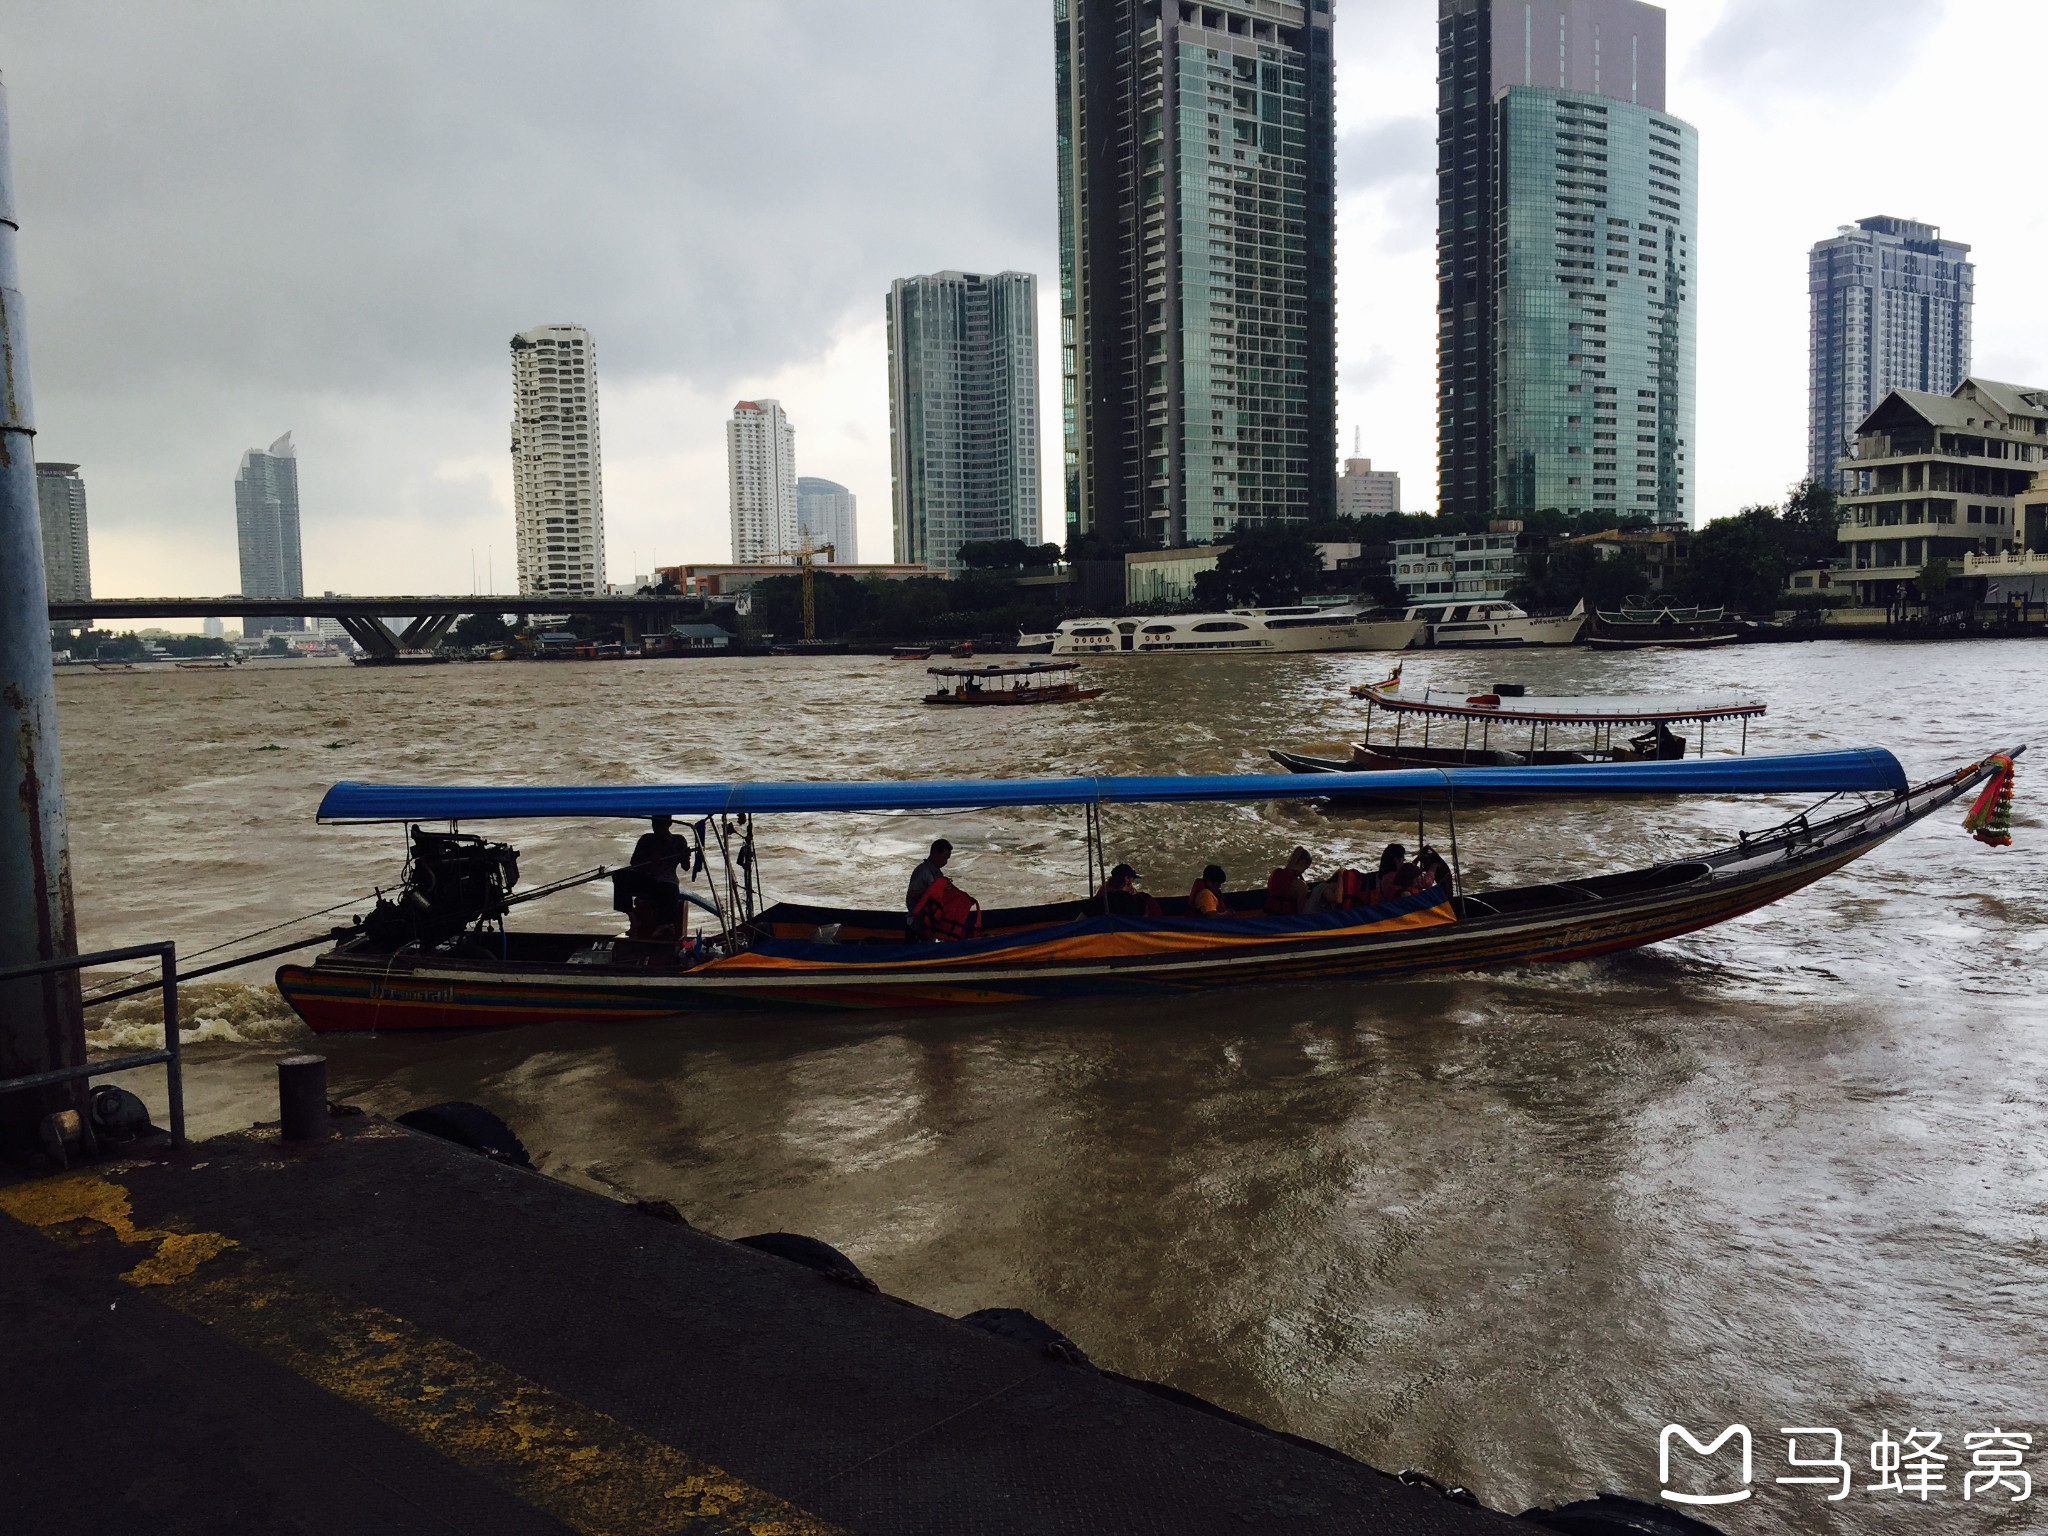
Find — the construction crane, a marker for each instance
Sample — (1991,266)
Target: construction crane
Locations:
(803,558)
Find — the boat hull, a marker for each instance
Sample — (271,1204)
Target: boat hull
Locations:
(1184,635)
(1505,634)
(1528,926)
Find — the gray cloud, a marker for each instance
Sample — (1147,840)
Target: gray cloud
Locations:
(350,194)
(1394,150)
(1815,47)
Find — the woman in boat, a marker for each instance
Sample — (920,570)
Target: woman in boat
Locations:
(1286,889)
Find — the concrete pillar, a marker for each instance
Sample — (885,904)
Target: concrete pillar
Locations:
(42,1025)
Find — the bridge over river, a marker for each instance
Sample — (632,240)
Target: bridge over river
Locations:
(363,617)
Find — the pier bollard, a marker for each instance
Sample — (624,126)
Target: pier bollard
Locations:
(302,1097)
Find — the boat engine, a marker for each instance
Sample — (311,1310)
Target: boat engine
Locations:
(452,881)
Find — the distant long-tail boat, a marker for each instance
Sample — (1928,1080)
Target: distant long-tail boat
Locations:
(440,953)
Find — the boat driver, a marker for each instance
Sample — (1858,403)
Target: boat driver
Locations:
(658,859)
(922,878)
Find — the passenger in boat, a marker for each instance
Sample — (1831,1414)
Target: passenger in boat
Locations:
(1206,898)
(1286,889)
(658,860)
(1397,875)
(1121,897)
(1431,870)
(938,908)
(1345,889)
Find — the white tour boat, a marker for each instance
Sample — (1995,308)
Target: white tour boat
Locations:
(1494,624)
(1351,627)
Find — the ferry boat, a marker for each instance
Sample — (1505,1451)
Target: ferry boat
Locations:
(1494,624)
(1036,682)
(1643,623)
(1347,627)
(439,953)
(1505,726)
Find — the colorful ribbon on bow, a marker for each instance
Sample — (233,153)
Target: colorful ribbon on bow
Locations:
(1990,818)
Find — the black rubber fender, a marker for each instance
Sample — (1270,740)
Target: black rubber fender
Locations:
(1613,1515)
(812,1253)
(472,1126)
(117,1114)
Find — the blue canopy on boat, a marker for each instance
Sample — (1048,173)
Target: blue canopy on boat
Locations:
(1869,769)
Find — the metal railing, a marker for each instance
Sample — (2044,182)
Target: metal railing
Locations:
(174,1077)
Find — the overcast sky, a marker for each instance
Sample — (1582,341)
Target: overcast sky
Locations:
(242,219)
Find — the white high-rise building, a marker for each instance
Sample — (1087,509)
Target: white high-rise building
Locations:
(557,474)
(67,547)
(825,514)
(760,456)
(1363,491)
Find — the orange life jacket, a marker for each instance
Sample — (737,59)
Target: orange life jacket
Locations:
(1355,889)
(944,911)
(1281,897)
(1195,894)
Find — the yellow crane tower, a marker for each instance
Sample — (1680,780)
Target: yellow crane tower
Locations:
(803,558)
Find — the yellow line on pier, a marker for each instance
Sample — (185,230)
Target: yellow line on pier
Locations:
(582,1467)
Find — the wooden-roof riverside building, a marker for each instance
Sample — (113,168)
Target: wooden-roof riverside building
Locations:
(1942,477)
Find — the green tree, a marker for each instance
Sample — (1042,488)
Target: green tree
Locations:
(1262,568)
(1737,562)
(481,629)
(121,648)
(1810,526)
(1934,578)
(1007,555)
(194,645)
(275,644)
(1562,576)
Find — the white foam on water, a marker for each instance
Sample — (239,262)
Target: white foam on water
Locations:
(228,1011)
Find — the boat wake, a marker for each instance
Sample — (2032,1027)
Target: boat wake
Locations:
(232,1012)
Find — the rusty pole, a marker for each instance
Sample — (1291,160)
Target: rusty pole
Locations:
(42,1025)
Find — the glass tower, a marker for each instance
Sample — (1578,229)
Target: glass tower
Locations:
(1891,303)
(1197,265)
(1566,239)
(963,412)
(267,530)
(1593,308)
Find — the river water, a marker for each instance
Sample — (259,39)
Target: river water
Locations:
(1501,1227)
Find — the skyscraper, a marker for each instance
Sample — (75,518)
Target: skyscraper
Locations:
(825,515)
(267,530)
(1567,239)
(1197,264)
(67,551)
(1891,303)
(963,412)
(557,468)
(760,463)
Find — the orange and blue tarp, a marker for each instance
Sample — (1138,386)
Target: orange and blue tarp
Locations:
(1100,938)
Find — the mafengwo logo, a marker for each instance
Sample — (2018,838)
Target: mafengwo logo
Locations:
(1723,1480)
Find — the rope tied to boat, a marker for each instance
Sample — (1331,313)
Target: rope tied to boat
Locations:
(1990,818)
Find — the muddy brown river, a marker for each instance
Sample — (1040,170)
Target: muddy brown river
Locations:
(1502,1227)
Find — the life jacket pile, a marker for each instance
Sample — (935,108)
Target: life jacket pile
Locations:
(944,911)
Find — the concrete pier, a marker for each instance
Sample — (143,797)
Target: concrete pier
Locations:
(379,1331)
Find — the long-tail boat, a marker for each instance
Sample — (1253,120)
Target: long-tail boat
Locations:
(441,954)
(1504,726)
(1034,682)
